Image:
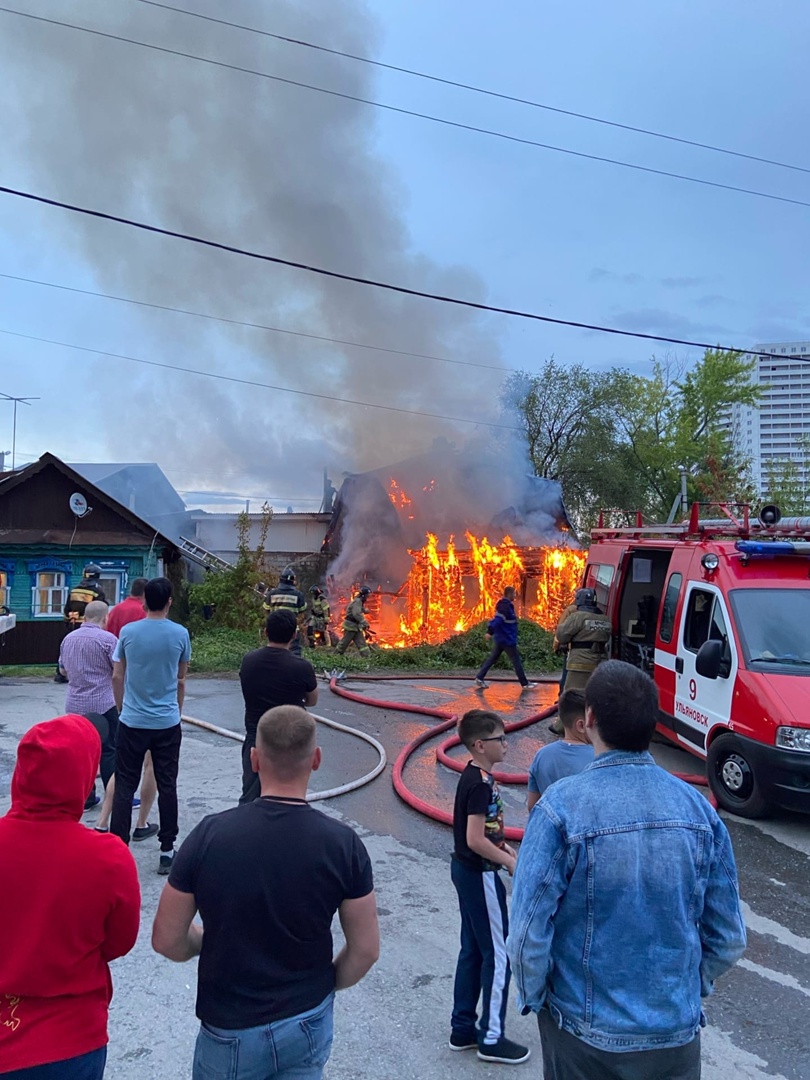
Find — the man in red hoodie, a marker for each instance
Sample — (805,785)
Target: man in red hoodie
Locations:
(69,904)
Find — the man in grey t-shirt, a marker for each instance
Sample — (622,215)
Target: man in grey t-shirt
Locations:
(571,755)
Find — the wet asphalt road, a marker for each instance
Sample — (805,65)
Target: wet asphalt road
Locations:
(762,1006)
(759,1013)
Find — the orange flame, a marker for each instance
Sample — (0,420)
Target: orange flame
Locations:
(450,590)
(399,498)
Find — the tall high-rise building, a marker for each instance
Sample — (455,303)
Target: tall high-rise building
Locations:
(778,428)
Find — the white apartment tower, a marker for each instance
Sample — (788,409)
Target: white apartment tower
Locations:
(779,427)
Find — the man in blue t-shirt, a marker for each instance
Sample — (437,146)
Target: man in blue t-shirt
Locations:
(149,681)
(571,755)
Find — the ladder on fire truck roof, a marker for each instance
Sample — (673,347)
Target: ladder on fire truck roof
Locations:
(204,558)
(770,524)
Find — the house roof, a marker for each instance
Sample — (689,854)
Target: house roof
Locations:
(10,481)
(144,489)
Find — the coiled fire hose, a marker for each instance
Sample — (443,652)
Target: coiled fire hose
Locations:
(448,721)
(315,796)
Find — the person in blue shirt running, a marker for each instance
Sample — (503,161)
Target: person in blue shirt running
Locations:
(571,755)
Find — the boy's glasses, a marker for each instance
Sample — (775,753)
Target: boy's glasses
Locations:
(496,738)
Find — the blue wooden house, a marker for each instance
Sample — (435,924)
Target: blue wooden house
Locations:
(52,523)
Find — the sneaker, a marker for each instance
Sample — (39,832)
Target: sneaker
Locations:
(463,1042)
(530,686)
(504,1051)
(165,864)
(101,828)
(479,684)
(92,800)
(60,678)
(145,832)
(136,802)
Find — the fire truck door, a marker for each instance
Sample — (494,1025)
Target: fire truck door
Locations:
(700,703)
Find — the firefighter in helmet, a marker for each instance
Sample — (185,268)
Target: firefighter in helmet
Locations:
(286,597)
(355,624)
(79,597)
(586,632)
(89,588)
(320,615)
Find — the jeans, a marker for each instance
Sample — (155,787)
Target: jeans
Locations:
(132,746)
(84,1067)
(513,654)
(565,1057)
(293,1049)
(483,967)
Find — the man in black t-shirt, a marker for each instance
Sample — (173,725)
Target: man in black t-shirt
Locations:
(272,676)
(267,878)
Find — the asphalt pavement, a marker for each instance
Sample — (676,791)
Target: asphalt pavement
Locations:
(395,1023)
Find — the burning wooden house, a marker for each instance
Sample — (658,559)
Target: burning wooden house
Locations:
(439,537)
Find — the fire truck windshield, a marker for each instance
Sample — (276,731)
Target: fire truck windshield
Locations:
(773,626)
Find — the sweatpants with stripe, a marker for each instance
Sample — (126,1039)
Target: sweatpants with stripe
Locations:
(483,967)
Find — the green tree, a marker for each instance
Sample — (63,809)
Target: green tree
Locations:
(231,597)
(674,419)
(619,440)
(785,485)
(569,418)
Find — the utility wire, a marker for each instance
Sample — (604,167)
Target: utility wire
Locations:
(477,89)
(413,112)
(255,382)
(457,301)
(254,325)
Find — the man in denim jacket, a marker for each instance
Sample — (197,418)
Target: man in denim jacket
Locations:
(625,906)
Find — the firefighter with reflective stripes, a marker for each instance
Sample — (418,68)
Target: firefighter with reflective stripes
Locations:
(320,615)
(355,624)
(82,594)
(587,633)
(286,597)
(79,597)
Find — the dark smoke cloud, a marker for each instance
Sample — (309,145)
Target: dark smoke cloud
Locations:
(260,165)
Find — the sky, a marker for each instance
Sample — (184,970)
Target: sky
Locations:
(318,179)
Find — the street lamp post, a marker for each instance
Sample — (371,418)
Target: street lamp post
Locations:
(16,400)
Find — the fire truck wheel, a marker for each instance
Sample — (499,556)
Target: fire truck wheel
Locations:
(732,778)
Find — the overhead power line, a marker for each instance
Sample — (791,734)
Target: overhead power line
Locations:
(256,382)
(254,325)
(502,96)
(401,289)
(413,112)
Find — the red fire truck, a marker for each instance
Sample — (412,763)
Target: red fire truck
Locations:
(718,613)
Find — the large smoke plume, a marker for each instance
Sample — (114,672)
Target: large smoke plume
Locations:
(258,164)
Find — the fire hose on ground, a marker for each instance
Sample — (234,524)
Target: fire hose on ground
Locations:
(314,796)
(448,721)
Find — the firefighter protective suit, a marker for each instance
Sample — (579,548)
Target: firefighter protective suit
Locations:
(285,597)
(320,615)
(587,632)
(355,624)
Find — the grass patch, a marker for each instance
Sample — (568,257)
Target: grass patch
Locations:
(28,671)
(221,650)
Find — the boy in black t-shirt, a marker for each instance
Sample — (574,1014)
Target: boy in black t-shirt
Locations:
(480,853)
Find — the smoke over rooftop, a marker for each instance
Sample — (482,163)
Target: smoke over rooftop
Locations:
(258,164)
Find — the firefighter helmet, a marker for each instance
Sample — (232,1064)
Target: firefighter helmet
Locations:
(316,591)
(585,598)
(92,570)
(287,576)
(364,592)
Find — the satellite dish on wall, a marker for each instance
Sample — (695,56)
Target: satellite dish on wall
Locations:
(78,504)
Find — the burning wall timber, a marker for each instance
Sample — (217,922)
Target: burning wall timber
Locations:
(437,542)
